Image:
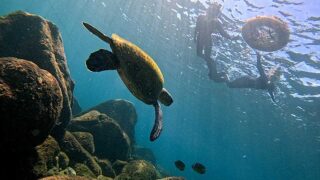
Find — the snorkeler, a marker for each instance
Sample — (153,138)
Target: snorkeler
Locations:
(265,82)
(205,26)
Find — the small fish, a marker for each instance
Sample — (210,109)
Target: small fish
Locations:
(180,165)
(199,168)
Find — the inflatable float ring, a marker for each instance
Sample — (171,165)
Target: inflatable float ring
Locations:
(266,33)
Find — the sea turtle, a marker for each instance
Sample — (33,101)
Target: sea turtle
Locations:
(137,70)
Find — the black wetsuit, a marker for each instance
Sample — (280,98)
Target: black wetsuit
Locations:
(202,35)
(262,82)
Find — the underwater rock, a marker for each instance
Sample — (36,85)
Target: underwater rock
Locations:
(83,170)
(106,167)
(78,154)
(110,140)
(76,108)
(30,103)
(46,159)
(162,173)
(86,140)
(63,160)
(138,169)
(118,165)
(172,178)
(121,111)
(33,38)
(65,178)
(68,172)
(101,177)
(143,154)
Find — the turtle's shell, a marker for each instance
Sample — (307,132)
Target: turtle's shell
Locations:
(137,70)
(266,33)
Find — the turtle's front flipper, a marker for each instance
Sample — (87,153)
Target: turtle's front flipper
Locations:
(157,127)
(102,60)
(98,33)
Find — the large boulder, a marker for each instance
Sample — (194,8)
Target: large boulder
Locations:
(121,111)
(30,103)
(111,142)
(33,38)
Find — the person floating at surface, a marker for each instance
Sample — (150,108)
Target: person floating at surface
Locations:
(206,25)
(264,81)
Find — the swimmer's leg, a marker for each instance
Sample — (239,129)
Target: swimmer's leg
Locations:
(243,82)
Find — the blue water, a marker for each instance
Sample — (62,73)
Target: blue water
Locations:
(236,133)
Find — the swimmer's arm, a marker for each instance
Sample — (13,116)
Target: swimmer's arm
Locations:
(259,66)
(222,31)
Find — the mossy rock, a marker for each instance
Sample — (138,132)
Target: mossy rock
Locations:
(47,153)
(172,178)
(139,170)
(63,160)
(83,170)
(106,167)
(59,177)
(68,172)
(101,177)
(123,176)
(30,103)
(78,154)
(33,38)
(122,111)
(118,165)
(86,140)
(110,141)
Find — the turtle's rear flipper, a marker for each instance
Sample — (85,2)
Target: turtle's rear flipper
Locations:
(157,127)
(102,60)
(165,97)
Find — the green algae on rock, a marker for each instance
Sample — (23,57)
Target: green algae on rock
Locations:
(78,154)
(86,140)
(138,169)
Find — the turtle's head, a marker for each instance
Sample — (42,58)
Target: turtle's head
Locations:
(102,60)
(165,97)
